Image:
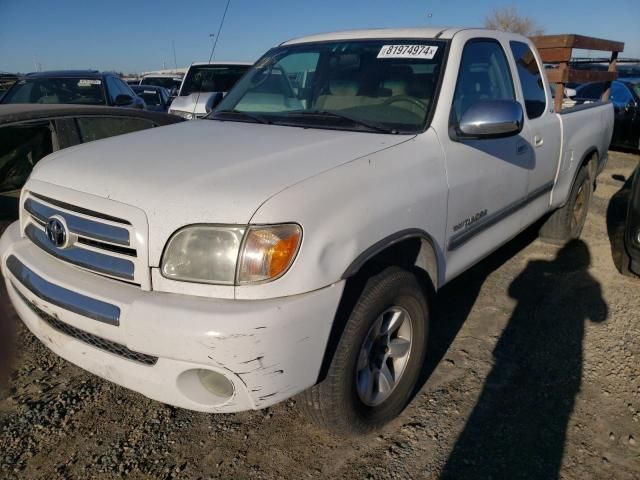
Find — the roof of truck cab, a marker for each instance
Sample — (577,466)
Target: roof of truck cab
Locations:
(20,112)
(379,33)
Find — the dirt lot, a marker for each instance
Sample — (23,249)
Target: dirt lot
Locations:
(533,373)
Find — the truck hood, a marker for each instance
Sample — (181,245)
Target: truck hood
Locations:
(194,103)
(204,171)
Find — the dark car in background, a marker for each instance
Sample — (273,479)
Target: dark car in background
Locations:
(30,132)
(73,87)
(631,255)
(625,96)
(157,99)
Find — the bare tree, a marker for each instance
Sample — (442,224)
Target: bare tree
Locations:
(508,19)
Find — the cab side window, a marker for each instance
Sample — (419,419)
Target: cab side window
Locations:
(484,75)
(535,99)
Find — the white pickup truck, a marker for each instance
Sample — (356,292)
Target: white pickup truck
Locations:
(290,242)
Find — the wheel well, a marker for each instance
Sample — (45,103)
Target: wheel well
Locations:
(590,160)
(413,252)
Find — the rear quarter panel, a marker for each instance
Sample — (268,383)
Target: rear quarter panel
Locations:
(585,130)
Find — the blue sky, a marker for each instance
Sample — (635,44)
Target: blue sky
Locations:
(133,36)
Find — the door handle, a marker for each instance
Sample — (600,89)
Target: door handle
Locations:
(538,140)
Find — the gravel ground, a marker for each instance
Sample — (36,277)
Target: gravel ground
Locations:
(533,373)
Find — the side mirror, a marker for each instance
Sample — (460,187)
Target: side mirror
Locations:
(213,101)
(122,100)
(491,119)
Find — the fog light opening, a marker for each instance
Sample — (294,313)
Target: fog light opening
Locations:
(206,387)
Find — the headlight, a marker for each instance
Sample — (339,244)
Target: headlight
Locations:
(180,113)
(231,255)
(205,254)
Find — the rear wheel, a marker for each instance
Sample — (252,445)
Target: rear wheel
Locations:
(378,360)
(567,222)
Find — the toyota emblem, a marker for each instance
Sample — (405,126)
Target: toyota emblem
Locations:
(57,232)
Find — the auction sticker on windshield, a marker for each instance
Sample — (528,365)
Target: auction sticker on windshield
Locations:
(408,51)
(86,83)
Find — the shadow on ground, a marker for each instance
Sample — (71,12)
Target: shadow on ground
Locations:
(518,427)
(455,300)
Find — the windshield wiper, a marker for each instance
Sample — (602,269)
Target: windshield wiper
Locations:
(329,113)
(251,116)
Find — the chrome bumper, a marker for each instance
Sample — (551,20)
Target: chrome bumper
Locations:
(61,297)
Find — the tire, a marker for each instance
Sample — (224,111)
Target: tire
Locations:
(567,222)
(625,264)
(337,403)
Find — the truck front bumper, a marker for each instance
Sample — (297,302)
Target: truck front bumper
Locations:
(159,344)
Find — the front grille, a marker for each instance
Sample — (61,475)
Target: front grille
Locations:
(94,241)
(88,338)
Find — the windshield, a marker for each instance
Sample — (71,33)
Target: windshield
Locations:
(375,85)
(150,96)
(81,91)
(166,82)
(212,78)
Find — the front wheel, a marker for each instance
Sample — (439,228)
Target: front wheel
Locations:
(378,360)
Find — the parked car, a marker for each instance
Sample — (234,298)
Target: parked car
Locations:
(156,99)
(631,254)
(30,132)
(73,87)
(292,240)
(625,96)
(203,87)
(170,81)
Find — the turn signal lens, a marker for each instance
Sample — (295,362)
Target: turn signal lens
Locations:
(268,252)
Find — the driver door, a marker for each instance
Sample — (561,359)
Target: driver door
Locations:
(487,177)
